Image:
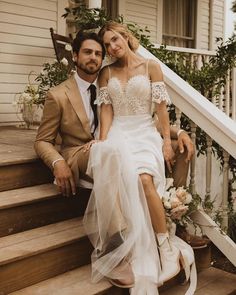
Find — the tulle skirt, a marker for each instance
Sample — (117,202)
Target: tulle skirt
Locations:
(117,219)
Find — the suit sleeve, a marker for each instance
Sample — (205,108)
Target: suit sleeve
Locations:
(48,131)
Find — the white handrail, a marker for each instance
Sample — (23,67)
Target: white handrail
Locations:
(188,50)
(201,111)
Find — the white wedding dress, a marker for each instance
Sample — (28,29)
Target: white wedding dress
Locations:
(117,219)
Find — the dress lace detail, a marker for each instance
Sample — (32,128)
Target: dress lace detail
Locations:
(103,97)
(134,97)
(131,98)
(159,93)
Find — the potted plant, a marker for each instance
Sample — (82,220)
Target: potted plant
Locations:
(30,102)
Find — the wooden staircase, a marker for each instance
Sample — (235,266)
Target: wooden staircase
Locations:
(43,247)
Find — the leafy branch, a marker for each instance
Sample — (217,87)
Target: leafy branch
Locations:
(208,79)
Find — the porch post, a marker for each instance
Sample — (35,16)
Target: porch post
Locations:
(95,3)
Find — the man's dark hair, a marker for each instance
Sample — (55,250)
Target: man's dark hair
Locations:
(81,36)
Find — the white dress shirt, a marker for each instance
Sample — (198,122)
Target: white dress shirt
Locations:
(85,94)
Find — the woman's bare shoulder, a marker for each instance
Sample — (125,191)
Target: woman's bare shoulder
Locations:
(155,71)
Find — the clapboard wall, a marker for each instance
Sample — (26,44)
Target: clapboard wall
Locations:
(25,44)
(210,19)
(210,23)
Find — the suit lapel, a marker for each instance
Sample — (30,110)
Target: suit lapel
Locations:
(73,94)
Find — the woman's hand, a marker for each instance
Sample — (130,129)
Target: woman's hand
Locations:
(168,154)
(88,145)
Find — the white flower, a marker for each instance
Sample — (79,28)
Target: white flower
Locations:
(166,196)
(181,193)
(188,199)
(175,202)
(167,205)
(169,183)
(172,192)
(64,61)
(68,47)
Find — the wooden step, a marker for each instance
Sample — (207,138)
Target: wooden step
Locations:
(74,282)
(19,165)
(31,207)
(21,174)
(35,255)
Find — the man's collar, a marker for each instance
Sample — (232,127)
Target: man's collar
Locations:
(82,84)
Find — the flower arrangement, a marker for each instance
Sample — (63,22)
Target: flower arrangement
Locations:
(52,75)
(30,102)
(179,204)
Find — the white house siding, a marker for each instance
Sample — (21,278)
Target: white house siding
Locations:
(203,21)
(210,23)
(218,20)
(25,44)
(142,12)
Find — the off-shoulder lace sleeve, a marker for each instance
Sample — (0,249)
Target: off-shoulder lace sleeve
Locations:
(159,93)
(103,97)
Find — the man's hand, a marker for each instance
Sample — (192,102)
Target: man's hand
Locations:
(64,178)
(168,154)
(185,141)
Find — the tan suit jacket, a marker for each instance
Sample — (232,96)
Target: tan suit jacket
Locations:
(64,114)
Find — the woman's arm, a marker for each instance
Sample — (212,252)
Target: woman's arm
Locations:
(106,112)
(162,113)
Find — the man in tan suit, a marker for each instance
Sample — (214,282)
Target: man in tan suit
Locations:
(67,111)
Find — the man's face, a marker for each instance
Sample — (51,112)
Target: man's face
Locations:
(89,58)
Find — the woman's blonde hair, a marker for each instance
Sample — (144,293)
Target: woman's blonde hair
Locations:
(121,29)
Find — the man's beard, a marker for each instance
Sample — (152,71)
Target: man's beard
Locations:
(87,70)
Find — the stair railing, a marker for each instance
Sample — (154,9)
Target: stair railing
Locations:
(217,124)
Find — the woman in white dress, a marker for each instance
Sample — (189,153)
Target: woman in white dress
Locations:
(125,218)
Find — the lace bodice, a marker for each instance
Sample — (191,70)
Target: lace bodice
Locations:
(133,98)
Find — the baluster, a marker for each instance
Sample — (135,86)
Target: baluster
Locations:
(234,93)
(214,100)
(221,99)
(208,165)
(192,58)
(193,161)
(224,205)
(227,94)
(199,61)
(178,117)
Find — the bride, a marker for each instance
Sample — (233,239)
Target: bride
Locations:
(125,218)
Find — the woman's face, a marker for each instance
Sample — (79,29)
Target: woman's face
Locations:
(115,44)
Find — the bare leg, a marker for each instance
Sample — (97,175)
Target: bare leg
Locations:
(154,203)
(169,255)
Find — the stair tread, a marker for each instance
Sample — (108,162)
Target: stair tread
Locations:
(16,145)
(22,196)
(73,282)
(11,155)
(38,240)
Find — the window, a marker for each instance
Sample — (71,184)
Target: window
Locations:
(179,22)
(111,7)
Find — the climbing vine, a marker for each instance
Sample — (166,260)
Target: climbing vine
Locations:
(208,80)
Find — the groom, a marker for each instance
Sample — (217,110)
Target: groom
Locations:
(67,111)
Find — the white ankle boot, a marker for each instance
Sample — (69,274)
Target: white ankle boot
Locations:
(169,256)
